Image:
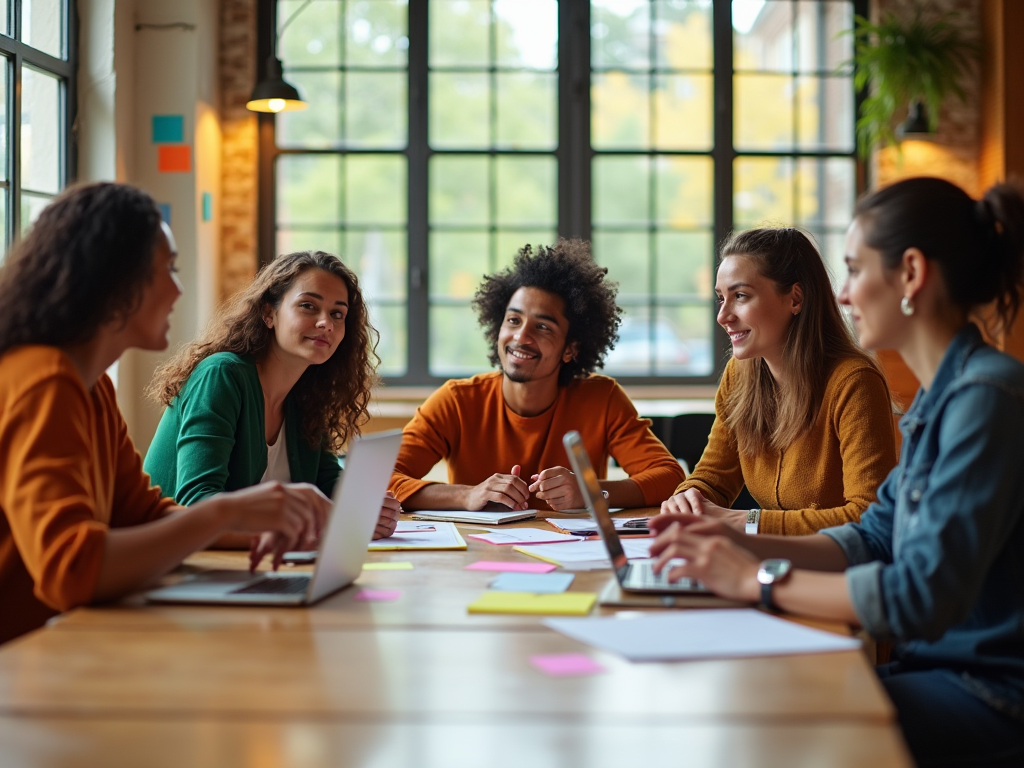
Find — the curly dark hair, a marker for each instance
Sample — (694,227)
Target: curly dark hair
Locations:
(84,263)
(332,397)
(569,271)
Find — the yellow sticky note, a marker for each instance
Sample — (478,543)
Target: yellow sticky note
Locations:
(387,566)
(565,603)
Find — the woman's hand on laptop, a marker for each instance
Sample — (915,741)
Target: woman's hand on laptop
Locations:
(691,502)
(390,509)
(557,486)
(710,555)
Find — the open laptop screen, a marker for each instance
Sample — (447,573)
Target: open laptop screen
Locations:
(592,496)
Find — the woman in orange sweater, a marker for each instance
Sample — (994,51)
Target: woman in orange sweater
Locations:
(79,520)
(803,416)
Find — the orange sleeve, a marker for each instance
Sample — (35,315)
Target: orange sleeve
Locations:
(47,490)
(431,436)
(136,500)
(718,475)
(644,457)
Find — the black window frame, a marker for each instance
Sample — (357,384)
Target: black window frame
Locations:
(574,159)
(21,54)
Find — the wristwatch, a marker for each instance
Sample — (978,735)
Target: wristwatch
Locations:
(769,574)
(753,520)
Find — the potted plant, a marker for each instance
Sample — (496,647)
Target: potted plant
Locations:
(917,60)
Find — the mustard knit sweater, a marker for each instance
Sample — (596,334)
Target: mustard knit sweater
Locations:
(827,476)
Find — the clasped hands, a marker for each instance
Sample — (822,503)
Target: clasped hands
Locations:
(556,486)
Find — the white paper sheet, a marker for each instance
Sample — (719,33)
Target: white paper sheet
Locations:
(444,536)
(586,555)
(524,536)
(590,525)
(701,634)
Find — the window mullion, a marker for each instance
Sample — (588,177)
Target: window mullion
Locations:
(723,153)
(418,286)
(574,152)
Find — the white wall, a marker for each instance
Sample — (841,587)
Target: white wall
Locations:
(127,76)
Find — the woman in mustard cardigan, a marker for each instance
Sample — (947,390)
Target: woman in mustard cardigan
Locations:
(803,416)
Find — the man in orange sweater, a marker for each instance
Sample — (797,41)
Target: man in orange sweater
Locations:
(550,319)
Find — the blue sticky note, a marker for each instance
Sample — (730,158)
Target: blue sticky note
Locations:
(537,583)
(168,129)
(165,212)
(207,206)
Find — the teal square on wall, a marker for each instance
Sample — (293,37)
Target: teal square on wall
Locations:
(165,212)
(168,129)
(207,206)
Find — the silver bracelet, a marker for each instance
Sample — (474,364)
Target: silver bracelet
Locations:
(753,521)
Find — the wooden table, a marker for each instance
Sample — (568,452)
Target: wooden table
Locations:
(415,682)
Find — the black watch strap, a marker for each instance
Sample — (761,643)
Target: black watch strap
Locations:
(766,596)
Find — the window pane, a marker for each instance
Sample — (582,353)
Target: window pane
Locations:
(313,37)
(684,264)
(377,33)
(683,112)
(376,109)
(763,117)
(31,207)
(527,110)
(459,110)
(5,17)
(621,190)
(620,111)
(825,113)
(308,189)
(763,191)
(631,355)
(763,35)
(42,25)
(821,44)
(682,34)
(620,33)
(459,33)
(526,189)
(457,346)
(458,262)
(378,257)
(375,189)
(508,243)
(682,340)
(459,190)
(625,254)
(390,321)
(292,240)
(42,132)
(826,192)
(685,192)
(321,124)
(526,33)
(3,224)
(4,72)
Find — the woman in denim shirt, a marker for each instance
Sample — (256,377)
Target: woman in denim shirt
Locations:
(937,563)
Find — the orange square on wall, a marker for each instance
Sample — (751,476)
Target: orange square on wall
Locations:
(174,158)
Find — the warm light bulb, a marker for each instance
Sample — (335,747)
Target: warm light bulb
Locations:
(276,105)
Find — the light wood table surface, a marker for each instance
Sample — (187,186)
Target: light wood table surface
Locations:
(415,682)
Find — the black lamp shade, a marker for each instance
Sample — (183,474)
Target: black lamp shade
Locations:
(273,93)
(916,126)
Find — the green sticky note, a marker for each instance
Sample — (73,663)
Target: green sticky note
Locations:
(387,566)
(563,604)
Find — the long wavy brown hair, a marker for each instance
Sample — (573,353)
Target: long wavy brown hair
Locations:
(762,414)
(332,397)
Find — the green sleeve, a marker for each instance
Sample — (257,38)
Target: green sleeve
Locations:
(328,473)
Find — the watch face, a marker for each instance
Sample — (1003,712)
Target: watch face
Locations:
(773,570)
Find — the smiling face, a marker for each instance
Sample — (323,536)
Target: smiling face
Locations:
(531,341)
(871,293)
(149,326)
(752,311)
(310,322)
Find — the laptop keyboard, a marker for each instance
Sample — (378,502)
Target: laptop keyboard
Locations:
(291,585)
(642,576)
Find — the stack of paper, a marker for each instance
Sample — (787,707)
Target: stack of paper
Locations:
(585,555)
(440,536)
(483,518)
(714,634)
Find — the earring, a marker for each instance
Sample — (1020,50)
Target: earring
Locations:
(906,307)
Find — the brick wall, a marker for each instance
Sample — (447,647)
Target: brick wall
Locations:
(238,204)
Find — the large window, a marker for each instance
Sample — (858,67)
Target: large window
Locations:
(36,101)
(443,135)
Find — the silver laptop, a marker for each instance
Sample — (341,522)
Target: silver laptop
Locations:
(357,501)
(635,575)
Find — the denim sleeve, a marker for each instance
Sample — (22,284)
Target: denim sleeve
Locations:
(967,503)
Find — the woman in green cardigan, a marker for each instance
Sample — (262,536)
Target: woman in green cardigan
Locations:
(273,390)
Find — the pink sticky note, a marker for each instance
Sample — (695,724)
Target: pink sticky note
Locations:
(378,595)
(491,565)
(565,664)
